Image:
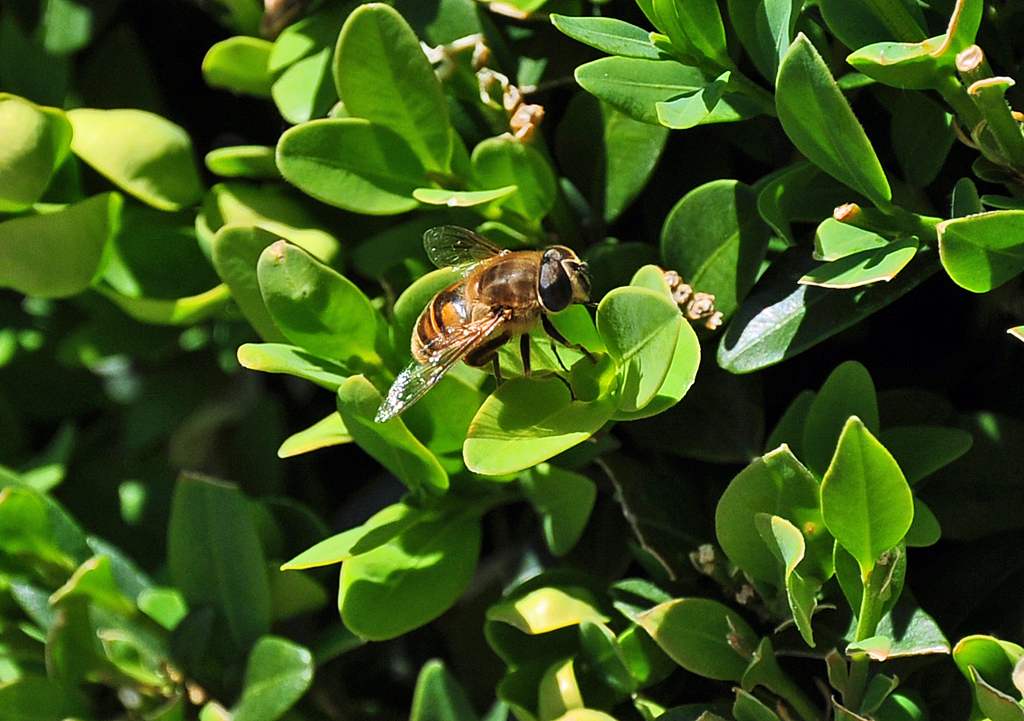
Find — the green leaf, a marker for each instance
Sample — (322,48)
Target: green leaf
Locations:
(695,27)
(748,708)
(462,198)
(781,318)
(765,29)
(787,544)
(390,443)
(439,697)
(702,636)
(503,161)
(277,674)
(236,253)
(166,606)
(777,485)
(239,64)
(95,582)
(819,121)
(635,86)
(353,164)
(243,161)
(37,698)
(995,704)
(215,556)
(564,501)
(716,240)
(869,266)
(378,530)
(304,89)
(278,358)
(991,658)
(328,431)
(56,255)
(608,35)
(546,609)
(274,208)
(412,579)
(640,327)
(981,252)
(865,500)
(688,111)
(36,141)
(528,421)
(302,55)
(317,308)
(383,76)
(834,240)
(144,154)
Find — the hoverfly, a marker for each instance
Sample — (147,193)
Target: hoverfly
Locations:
(502,294)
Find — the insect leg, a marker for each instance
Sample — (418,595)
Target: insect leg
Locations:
(524,350)
(553,333)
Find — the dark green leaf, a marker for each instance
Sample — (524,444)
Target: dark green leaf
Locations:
(819,121)
(860,22)
(505,161)
(777,485)
(215,556)
(438,696)
(765,29)
(922,450)
(564,501)
(716,240)
(702,636)
(611,168)
(781,318)
(37,698)
(922,136)
(848,391)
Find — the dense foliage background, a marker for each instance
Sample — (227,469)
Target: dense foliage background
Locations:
(647,547)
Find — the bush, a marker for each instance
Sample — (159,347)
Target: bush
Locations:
(612,535)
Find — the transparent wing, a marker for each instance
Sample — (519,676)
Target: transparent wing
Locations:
(448,245)
(446,350)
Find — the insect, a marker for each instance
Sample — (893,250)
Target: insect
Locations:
(502,294)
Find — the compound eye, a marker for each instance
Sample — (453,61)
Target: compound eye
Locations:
(555,289)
